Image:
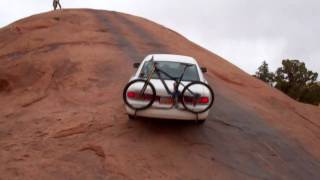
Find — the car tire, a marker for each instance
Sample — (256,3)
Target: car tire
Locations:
(200,122)
(131,117)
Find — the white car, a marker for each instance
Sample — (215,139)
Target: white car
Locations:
(160,108)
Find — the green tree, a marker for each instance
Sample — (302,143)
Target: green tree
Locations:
(294,79)
(264,74)
(311,94)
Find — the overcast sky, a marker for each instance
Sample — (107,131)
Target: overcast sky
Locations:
(245,32)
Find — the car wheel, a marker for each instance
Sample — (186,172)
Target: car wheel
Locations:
(131,117)
(200,122)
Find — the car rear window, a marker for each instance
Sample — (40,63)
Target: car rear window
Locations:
(174,69)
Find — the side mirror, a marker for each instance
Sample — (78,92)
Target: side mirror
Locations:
(204,70)
(136,65)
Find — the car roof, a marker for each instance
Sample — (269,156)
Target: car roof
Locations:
(171,57)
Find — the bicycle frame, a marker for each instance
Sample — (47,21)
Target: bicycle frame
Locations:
(194,96)
(175,94)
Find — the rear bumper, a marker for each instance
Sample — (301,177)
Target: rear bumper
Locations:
(173,113)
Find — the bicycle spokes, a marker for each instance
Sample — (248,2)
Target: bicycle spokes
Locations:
(197,97)
(139,94)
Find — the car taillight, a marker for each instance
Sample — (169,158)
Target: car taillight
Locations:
(192,100)
(136,95)
(147,96)
(131,94)
(203,100)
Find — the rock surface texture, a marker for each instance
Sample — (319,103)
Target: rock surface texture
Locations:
(62,115)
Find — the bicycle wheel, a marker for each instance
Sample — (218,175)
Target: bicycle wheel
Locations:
(197,97)
(133,96)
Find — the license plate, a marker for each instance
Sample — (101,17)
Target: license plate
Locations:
(165,100)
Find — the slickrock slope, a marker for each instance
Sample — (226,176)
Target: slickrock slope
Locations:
(62,116)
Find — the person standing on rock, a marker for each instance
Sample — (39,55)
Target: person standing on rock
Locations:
(56,3)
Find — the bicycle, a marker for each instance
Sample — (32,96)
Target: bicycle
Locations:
(140,94)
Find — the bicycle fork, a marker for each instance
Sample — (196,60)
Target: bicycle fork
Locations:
(148,80)
(176,94)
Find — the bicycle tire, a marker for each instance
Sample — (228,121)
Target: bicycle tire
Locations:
(124,95)
(193,83)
